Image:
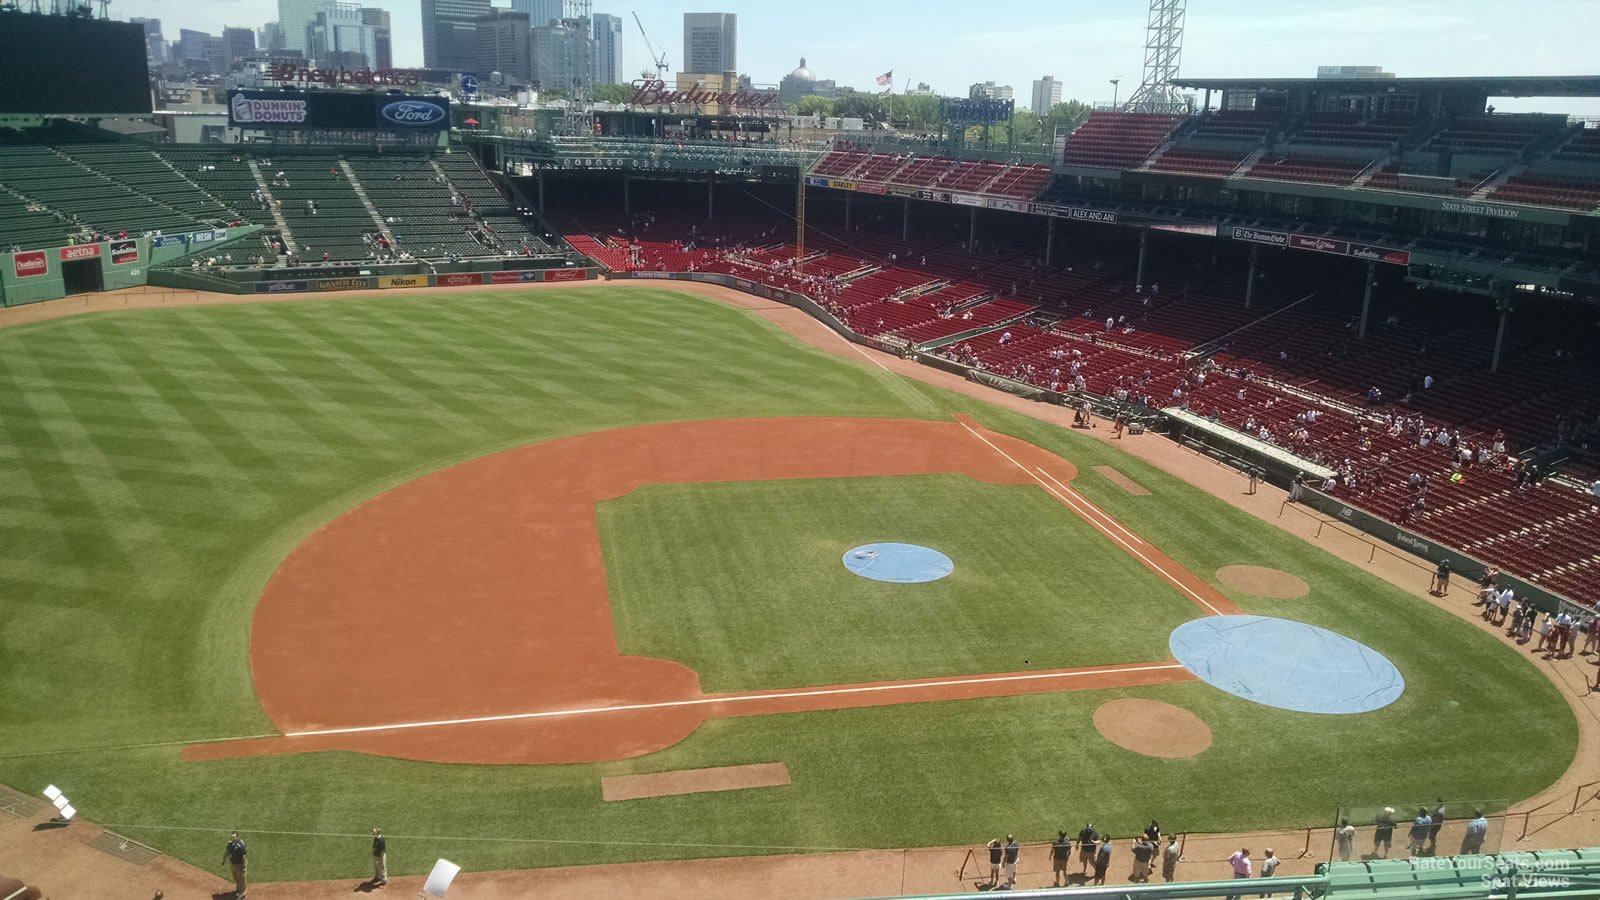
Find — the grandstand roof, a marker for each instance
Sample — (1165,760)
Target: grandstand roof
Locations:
(1493,86)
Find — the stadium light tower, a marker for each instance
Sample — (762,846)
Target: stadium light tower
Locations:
(1163,45)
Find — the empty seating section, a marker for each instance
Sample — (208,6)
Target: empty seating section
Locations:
(1117,140)
(143,170)
(1023,181)
(408,189)
(1198,162)
(340,220)
(1388,179)
(1493,135)
(27,225)
(224,175)
(1352,130)
(1315,169)
(1569,192)
(510,230)
(1583,146)
(48,178)
(1250,127)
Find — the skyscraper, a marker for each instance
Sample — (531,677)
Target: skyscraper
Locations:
(295,18)
(341,37)
(607,49)
(710,42)
(383,37)
(1046,94)
(239,42)
(505,45)
(541,12)
(155,47)
(563,56)
(271,37)
(450,33)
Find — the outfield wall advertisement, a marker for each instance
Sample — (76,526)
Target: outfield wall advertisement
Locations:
(353,110)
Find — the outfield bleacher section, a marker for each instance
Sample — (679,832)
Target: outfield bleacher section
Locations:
(1017,180)
(49,178)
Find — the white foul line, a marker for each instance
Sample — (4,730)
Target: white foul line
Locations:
(739,698)
(1102,529)
(1092,508)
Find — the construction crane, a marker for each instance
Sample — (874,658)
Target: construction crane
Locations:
(659,60)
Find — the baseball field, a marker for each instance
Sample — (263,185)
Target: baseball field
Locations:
(445,564)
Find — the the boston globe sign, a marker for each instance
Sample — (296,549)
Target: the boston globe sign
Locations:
(337,109)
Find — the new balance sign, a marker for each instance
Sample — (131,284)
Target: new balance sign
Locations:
(29,264)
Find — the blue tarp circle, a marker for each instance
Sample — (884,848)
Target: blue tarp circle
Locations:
(1286,664)
(898,563)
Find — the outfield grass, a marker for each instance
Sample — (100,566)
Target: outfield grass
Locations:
(155,467)
(743,582)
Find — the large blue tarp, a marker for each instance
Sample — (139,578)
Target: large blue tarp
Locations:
(898,563)
(1286,664)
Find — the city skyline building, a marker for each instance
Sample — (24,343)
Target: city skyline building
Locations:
(1046,94)
(563,56)
(710,43)
(450,33)
(505,45)
(295,18)
(382,36)
(608,62)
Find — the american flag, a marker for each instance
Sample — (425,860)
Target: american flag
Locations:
(886,78)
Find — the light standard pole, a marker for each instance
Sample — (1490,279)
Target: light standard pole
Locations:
(1114,83)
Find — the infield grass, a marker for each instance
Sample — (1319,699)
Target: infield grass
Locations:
(704,573)
(155,467)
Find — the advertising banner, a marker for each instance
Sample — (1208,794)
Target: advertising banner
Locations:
(253,109)
(841,184)
(1319,244)
(1078,213)
(343,284)
(966,199)
(208,236)
(1381,254)
(79,251)
(362,110)
(413,113)
(816,181)
(458,279)
(282,287)
(29,264)
(1008,205)
(169,240)
(505,277)
(1207,230)
(868,187)
(1274,238)
(566,274)
(402,281)
(124,252)
(900,190)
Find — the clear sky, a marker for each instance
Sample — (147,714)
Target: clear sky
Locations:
(1083,44)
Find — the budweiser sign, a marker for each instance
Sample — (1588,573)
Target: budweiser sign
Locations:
(648,92)
(341,75)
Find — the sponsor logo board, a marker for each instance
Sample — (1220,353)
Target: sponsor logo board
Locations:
(1319,244)
(413,113)
(402,281)
(281,287)
(565,274)
(1480,209)
(867,187)
(29,264)
(966,199)
(1381,254)
(169,240)
(505,277)
(343,284)
(458,279)
(79,251)
(1274,238)
(124,252)
(816,181)
(247,110)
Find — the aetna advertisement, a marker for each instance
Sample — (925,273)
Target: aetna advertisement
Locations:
(353,110)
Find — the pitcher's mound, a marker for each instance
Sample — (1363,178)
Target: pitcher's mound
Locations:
(1263,582)
(1153,728)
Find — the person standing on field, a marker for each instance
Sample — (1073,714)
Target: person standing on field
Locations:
(380,859)
(1086,852)
(234,855)
(1240,862)
(1060,858)
(1011,859)
(1344,837)
(995,855)
(1102,861)
(1383,832)
(1169,859)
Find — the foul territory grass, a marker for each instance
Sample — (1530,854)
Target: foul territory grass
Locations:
(744,583)
(155,467)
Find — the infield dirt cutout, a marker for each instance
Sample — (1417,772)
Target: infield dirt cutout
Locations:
(1153,728)
(1274,584)
(463,616)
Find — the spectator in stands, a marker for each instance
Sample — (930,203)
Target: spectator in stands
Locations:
(1591,632)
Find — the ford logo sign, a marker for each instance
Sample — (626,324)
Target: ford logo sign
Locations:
(413,113)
